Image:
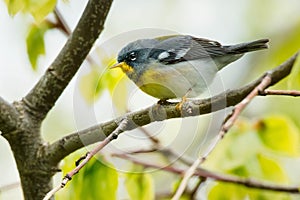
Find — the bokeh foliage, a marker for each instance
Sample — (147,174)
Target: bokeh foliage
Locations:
(252,149)
(39,9)
(255,149)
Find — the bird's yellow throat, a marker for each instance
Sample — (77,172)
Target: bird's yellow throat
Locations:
(123,65)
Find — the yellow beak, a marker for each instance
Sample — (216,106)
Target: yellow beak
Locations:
(117,65)
(123,66)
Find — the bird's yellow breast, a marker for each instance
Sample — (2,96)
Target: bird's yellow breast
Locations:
(153,82)
(175,81)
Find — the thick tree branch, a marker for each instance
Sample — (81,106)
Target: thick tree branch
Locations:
(8,116)
(63,147)
(48,89)
(25,141)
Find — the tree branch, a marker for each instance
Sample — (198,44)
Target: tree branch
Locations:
(124,124)
(51,85)
(61,23)
(293,93)
(227,124)
(251,183)
(8,116)
(63,147)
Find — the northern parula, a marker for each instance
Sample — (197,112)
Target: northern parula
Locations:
(178,66)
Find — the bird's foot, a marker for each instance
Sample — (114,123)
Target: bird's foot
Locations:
(180,104)
(184,100)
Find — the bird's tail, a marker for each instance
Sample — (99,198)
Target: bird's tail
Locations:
(249,46)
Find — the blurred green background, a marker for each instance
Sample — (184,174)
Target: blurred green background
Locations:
(96,95)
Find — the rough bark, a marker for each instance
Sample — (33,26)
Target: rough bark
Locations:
(45,93)
(20,122)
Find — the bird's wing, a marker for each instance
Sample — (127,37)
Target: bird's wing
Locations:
(175,49)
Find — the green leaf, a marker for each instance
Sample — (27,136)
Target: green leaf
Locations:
(139,186)
(39,9)
(15,6)
(35,43)
(225,191)
(118,91)
(90,85)
(97,180)
(222,191)
(271,169)
(93,84)
(100,181)
(254,150)
(279,134)
(234,151)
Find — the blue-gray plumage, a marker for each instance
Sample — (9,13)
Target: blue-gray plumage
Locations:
(170,66)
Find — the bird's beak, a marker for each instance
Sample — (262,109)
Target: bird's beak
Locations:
(117,65)
(124,66)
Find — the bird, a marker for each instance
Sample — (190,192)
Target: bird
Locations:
(177,66)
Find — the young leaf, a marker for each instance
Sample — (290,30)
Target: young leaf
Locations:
(38,9)
(224,191)
(100,181)
(139,186)
(251,150)
(96,81)
(279,134)
(90,85)
(14,6)
(97,180)
(35,43)
(271,170)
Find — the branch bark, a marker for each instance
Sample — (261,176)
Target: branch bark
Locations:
(85,159)
(66,145)
(8,114)
(48,89)
(293,93)
(23,121)
(201,172)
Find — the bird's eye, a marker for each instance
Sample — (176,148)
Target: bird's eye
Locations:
(132,56)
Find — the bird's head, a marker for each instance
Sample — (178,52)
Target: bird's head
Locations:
(134,57)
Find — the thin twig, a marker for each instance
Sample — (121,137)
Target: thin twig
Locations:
(227,124)
(62,25)
(138,151)
(187,175)
(200,172)
(9,186)
(166,152)
(159,148)
(153,139)
(122,127)
(294,93)
(53,191)
(181,158)
(61,22)
(193,192)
